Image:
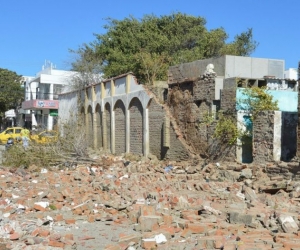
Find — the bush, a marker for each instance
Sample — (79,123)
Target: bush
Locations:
(69,146)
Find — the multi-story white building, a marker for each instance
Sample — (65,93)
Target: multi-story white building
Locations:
(41,104)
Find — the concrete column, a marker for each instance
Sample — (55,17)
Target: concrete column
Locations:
(277,136)
(145,132)
(127,87)
(239,147)
(112,87)
(51,91)
(50,122)
(127,132)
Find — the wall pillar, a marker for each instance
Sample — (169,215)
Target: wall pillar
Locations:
(51,91)
(239,146)
(277,135)
(127,128)
(50,122)
(145,132)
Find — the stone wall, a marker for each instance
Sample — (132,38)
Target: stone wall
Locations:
(99,128)
(263,134)
(136,126)
(228,101)
(204,89)
(177,151)
(90,134)
(120,131)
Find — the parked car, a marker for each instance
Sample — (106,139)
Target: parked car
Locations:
(13,132)
(43,137)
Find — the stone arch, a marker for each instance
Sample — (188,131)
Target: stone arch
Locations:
(136,126)
(98,124)
(107,127)
(120,128)
(90,125)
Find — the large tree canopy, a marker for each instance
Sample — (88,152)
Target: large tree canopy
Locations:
(147,47)
(11,92)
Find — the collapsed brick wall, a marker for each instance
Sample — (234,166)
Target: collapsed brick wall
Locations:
(191,106)
(177,150)
(187,114)
(120,131)
(263,131)
(136,126)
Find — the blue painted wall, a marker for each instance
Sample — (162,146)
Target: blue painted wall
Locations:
(287,100)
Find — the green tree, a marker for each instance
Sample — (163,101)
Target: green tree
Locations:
(147,47)
(11,91)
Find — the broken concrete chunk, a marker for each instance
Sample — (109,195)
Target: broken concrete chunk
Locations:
(236,218)
(288,224)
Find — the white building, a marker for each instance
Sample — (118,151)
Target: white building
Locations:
(41,104)
(291,73)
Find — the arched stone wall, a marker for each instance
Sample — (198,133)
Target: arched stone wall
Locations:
(98,124)
(120,128)
(107,127)
(90,132)
(136,126)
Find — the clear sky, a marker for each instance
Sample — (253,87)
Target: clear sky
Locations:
(33,31)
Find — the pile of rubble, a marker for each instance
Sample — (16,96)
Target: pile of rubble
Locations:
(117,204)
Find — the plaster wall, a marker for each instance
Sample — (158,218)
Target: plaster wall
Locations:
(120,86)
(107,86)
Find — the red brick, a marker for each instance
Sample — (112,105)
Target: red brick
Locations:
(38,207)
(70,221)
(58,217)
(14,236)
(147,244)
(196,228)
(53,243)
(69,236)
(44,232)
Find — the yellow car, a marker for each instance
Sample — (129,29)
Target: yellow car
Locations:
(13,132)
(46,136)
